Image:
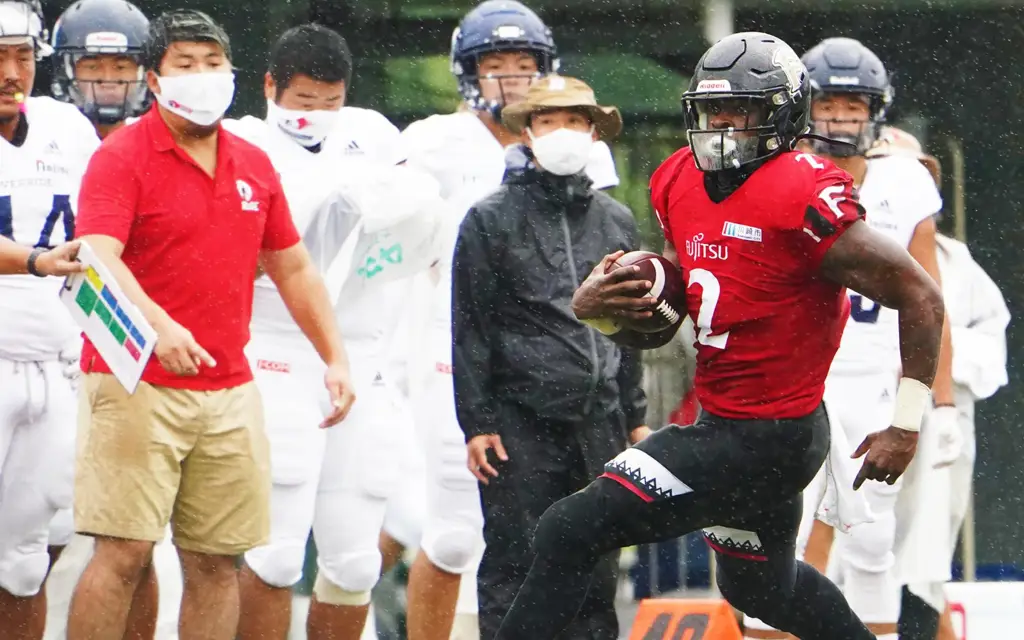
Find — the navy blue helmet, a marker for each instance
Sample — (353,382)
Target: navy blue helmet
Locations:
(92,28)
(845,66)
(493,26)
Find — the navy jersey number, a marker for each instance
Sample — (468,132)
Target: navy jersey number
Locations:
(60,210)
(861,313)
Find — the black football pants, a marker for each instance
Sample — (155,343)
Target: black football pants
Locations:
(740,481)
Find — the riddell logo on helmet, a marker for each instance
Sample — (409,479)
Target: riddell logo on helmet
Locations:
(714,85)
(106,42)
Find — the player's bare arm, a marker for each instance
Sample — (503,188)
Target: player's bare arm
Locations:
(304,293)
(618,295)
(876,267)
(923,248)
(59,261)
(176,348)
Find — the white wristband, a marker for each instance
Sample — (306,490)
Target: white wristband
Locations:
(913,398)
(603,326)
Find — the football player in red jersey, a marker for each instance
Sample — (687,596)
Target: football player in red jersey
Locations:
(768,240)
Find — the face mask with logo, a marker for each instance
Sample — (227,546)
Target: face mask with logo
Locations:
(202,98)
(563,152)
(308,128)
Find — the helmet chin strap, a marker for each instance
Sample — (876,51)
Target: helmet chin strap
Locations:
(837,148)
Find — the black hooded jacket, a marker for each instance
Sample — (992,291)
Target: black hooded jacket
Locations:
(521,254)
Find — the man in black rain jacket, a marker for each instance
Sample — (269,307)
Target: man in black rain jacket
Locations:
(553,398)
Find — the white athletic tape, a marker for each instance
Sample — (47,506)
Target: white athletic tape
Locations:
(329,593)
(912,400)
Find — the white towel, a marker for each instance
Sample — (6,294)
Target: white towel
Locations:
(840,506)
(923,547)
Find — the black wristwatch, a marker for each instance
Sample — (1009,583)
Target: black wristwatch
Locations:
(32,257)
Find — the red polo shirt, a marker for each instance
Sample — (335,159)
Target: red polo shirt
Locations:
(191,241)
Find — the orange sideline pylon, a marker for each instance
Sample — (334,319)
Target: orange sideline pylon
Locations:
(668,619)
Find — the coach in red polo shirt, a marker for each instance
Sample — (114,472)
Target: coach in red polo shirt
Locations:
(184,213)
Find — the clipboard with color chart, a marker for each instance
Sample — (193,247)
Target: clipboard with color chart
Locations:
(112,323)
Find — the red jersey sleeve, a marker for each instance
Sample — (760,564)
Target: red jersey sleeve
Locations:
(107,203)
(832,209)
(280,232)
(662,180)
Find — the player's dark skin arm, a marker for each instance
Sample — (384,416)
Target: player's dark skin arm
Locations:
(614,296)
(876,267)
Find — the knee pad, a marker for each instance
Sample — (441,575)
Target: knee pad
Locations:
(869,546)
(329,593)
(350,572)
(874,597)
(23,574)
(278,565)
(62,528)
(454,548)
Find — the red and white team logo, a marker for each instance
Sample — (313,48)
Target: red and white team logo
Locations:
(174,104)
(245,192)
(274,367)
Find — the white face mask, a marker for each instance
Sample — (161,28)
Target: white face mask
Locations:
(563,152)
(202,98)
(308,128)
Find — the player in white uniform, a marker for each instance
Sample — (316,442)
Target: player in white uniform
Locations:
(498,50)
(44,150)
(97,67)
(360,216)
(852,93)
(978,318)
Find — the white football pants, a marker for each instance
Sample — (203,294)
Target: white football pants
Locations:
(38,416)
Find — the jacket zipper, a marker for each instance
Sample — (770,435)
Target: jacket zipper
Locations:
(591,338)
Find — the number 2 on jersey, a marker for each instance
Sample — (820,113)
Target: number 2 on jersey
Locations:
(61,208)
(711,291)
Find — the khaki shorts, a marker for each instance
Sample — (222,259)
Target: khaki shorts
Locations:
(196,459)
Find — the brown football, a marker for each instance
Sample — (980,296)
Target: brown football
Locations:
(667,287)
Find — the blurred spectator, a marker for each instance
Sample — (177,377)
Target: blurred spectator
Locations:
(552,397)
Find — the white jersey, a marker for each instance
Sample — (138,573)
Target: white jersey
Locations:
(978,318)
(469,163)
(362,139)
(39,186)
(897,194)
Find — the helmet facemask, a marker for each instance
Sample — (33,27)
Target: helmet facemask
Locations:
(103,100)
(753,137)
(855,137)
(467,70)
